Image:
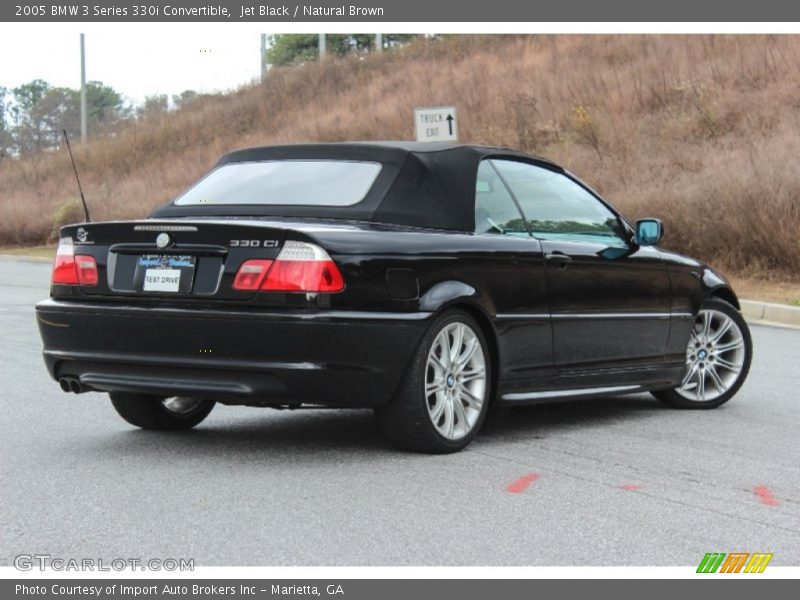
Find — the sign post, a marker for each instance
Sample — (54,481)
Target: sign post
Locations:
(436,124)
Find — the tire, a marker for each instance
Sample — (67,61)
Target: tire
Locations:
(736,338)
(153,412)
(458,393)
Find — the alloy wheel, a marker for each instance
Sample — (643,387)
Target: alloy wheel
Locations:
(455,381)
(715,357)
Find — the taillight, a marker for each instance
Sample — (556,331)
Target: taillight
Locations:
(64,271)
(72,269)
(251,274)
(87,269)
(303,267)
(300,267)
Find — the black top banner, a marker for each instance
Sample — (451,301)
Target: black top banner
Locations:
(441,11)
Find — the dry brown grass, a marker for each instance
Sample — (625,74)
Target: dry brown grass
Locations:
(782,291)
(38,252)
(701,131)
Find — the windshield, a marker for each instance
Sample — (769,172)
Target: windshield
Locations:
(294,182)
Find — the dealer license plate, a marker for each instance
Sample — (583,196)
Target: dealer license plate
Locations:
(163,273)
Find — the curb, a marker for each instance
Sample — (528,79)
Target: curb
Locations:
(757,313)
(769,313)
(28,259)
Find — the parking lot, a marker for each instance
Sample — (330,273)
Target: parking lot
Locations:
(603,482)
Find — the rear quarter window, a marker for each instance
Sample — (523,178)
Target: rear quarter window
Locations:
(284,182)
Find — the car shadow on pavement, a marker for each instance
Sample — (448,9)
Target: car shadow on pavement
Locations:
(334,434)
(270,433)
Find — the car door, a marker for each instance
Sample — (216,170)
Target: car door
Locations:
(609,299)
(511,265)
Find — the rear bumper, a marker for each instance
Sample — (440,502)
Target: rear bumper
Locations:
(331,358)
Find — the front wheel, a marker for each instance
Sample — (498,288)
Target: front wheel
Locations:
(153,412)
(445,393)
(718,357)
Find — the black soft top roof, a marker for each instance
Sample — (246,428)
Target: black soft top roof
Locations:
(420,184)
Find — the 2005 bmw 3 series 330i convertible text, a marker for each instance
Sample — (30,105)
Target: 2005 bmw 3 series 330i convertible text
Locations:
(425,281)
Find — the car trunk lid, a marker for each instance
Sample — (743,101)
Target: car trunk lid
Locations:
(169,259)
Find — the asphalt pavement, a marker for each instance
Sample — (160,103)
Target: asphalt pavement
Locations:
(623,481)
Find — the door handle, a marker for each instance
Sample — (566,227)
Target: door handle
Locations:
(557,258)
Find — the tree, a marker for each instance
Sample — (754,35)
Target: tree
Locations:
(365,42)
(152,105)
(54,111)
(292,48)
(28,94)
(288,49)
(40,126)
(6,137)
(28,132)
(184,98)
(104,105)
(40,111)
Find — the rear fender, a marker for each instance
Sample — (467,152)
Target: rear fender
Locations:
(460,295)
(448,292)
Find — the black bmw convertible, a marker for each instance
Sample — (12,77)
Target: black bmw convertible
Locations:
(425,281)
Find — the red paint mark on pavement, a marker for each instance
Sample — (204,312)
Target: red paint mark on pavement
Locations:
(765,496)
(520,485)
(631,487)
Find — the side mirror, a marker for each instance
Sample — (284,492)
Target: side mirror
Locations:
(649,232)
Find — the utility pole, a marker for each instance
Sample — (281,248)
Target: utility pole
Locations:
(322,45)
(83,89)
(263,56)
(379,42)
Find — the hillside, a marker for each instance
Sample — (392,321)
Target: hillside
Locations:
(700,131)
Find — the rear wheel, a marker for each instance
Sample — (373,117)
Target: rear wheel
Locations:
(718,357)
(154,412)
(445,393)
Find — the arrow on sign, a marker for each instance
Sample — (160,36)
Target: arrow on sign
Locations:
(450,123)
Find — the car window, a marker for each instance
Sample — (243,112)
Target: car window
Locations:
(293,182)
(495,209)
(558,208)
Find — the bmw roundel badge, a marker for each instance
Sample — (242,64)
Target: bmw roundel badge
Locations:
(163,240)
